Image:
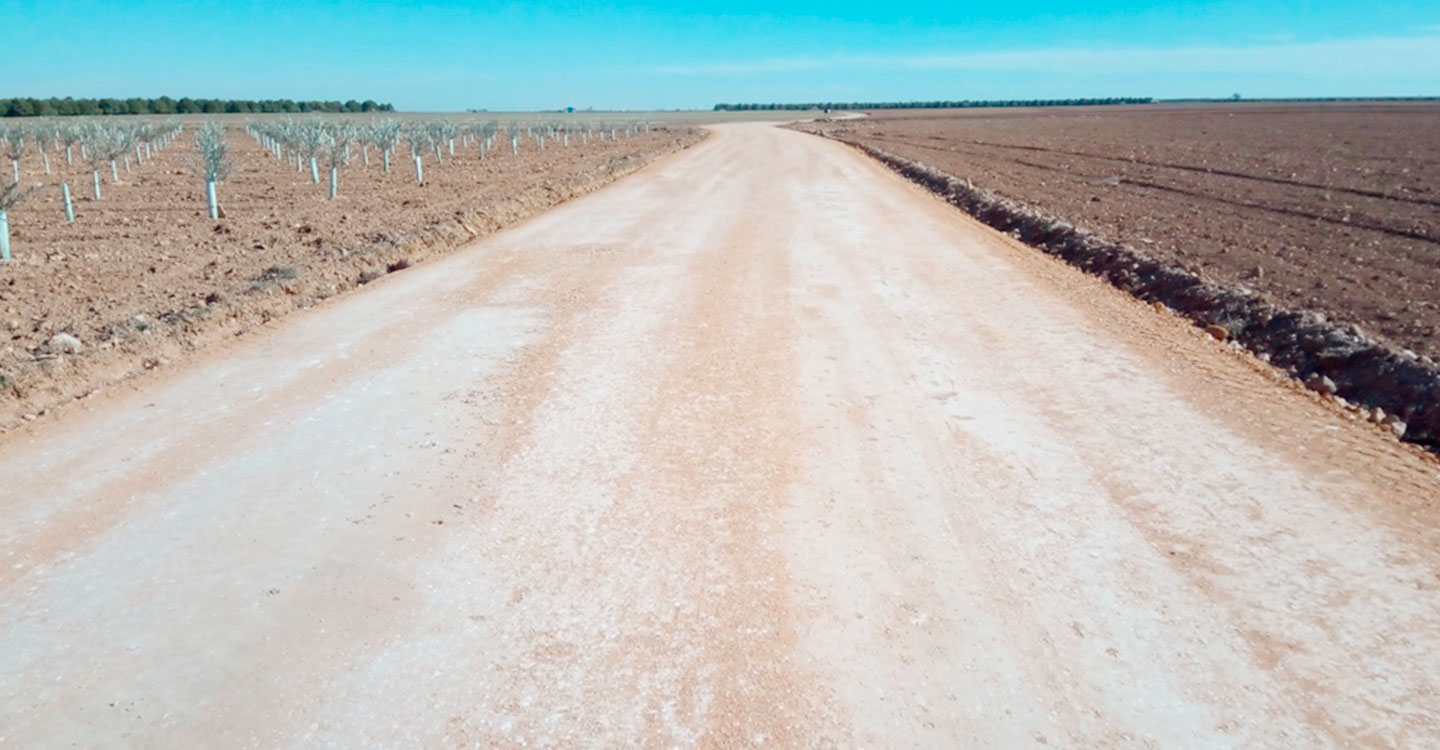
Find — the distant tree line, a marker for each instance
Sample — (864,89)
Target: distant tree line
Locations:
(940,105)
(28,107)
(1290,99)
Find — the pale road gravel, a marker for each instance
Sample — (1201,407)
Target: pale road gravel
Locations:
(761,446)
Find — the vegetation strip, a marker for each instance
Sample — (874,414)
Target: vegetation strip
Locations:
(1398,387)
(70,107)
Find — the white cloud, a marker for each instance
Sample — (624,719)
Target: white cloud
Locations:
(1408,56)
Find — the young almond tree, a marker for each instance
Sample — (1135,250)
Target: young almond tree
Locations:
(10,196)
(447,130)
(337,152)
(214,161)
(385,134)
(47,130)
(477,132)
(144,133)
(95,146)
(16,138)
(313,137)
(289,134)
(69,136)
(434,137)
(492,132)
(417,136)
(120,139)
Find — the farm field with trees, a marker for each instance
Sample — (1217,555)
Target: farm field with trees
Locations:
(142,274)
(164,105)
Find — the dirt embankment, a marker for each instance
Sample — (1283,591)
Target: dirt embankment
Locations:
(143,276)
(1213,245)
(1334,208)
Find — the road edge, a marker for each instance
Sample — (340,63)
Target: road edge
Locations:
(1391,386)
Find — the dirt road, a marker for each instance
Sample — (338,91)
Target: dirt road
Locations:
(759,447)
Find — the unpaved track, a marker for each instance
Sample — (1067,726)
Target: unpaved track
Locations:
(759,446)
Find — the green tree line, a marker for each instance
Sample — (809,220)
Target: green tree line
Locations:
(939,104)
(68,106)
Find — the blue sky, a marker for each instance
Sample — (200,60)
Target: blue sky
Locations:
(448,55)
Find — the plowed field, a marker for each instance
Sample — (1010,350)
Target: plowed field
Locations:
(1330,207)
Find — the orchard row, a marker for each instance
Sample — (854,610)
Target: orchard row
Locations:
(104,148)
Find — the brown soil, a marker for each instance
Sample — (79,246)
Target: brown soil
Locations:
(1334,208)
(143,276)
(1398,389)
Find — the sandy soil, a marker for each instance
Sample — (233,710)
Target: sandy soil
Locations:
(143,277)
(761,446)
(1331,207)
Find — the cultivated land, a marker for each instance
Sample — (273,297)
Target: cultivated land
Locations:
(761,446)
(1333,207)
(143,276)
